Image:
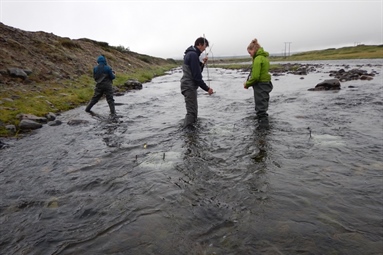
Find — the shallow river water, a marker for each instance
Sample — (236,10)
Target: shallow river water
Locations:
(312,184)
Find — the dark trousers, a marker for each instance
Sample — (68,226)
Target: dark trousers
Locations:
(99,91)
(261,98)
(191,107)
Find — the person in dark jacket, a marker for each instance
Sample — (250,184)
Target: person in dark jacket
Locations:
(192,79)
(104,76)
(260,79)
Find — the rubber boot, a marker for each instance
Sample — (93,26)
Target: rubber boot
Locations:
(112,109)
(89,106)
(263,123)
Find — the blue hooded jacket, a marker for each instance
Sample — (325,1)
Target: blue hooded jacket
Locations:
(192,70)
(102,73)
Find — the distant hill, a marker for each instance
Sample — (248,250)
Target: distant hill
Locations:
(50,57)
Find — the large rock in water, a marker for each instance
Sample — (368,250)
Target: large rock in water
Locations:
(331,84)
(354,74)
(132,84)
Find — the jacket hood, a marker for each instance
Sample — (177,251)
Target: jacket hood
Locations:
(192,48)
(261,52)
(101,60)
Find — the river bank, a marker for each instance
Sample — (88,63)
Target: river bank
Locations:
(41,72)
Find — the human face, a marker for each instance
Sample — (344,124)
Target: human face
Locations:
(202,47)
(251,52)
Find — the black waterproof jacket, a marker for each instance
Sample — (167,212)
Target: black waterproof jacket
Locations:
(103,73)
(192,70)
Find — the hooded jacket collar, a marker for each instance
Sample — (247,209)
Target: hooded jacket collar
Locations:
(101,60)
(192,48)
(261,52)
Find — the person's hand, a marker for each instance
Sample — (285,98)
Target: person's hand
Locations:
(244,85)
(210,91)
(205,60)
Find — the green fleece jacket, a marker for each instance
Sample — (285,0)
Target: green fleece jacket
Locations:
(260,69)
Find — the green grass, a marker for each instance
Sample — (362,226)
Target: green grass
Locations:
(248,66)
(41,98)
(143,75)
(356,52)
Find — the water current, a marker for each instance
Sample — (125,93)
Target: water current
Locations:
(311,184)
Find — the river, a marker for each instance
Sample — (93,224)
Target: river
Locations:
(311,184)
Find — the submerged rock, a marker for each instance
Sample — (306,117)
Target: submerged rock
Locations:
(132,84)
(55,123)
(331,84)
(76,122)
(353,74)
(3,145)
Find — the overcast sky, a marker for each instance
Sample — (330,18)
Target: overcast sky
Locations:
(166,28)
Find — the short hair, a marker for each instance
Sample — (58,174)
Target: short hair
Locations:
(201,41)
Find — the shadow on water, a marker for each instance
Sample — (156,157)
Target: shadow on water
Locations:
(139,184)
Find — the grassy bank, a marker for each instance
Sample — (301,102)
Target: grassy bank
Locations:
(40,98)
(356,52)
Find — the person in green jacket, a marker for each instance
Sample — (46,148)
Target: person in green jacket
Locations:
(260,79)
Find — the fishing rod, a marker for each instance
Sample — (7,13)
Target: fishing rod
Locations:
(207,68)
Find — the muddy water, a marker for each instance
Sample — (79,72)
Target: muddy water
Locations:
(312,184)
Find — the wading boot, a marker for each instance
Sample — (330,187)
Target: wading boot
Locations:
(112,110)
(189,128)
(89,106)
(263,124)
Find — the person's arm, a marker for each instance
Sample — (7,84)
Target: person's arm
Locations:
(111,73)
(202,64)
(196,72)
(255,74)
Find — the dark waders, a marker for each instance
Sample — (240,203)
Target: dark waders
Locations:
(261,97)
(99,91)
(191,107)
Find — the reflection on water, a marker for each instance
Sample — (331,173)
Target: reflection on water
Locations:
(311,184)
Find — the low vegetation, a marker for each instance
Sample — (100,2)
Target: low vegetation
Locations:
(58,97)
(356,52)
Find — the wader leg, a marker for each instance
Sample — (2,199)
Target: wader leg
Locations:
(261,98)
(89,106)
(112,109)
(110,100)
(191,107)
(97,95)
